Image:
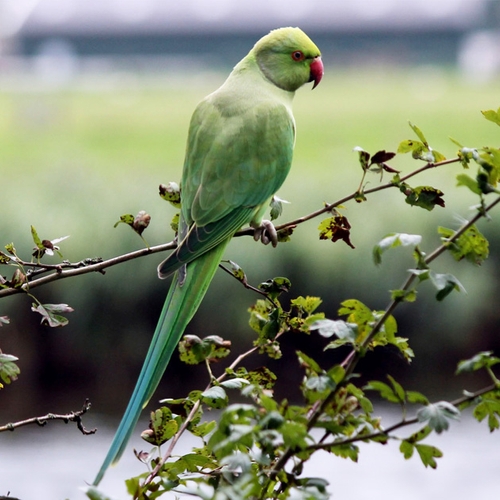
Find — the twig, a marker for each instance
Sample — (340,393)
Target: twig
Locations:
(74,416)
(97,267)
(67,270)
(355,355)
(402,423)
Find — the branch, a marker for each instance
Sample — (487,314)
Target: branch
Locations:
(355,355)
(190,417)
(83,268)
(74,416)
(67,270)
(398,425)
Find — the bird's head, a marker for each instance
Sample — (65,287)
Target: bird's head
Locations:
(288,58)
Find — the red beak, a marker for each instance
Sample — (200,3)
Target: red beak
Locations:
(317,71)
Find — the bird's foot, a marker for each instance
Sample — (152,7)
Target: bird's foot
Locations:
(266,232)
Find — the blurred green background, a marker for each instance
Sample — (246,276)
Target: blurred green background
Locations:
(75,158)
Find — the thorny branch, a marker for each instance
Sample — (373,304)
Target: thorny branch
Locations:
(74,416)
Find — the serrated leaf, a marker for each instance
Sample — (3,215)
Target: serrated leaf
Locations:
(484,359)
(307,304)
(437,415)
(425,197)
(471,245)
(50,314)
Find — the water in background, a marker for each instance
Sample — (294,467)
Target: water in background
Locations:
(54,462)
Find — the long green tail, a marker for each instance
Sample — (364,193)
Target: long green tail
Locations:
(180,305)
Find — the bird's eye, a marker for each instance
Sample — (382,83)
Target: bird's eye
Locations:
(297,55)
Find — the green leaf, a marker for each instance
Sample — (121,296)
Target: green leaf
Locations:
(398,389)
(276,286)
(215,397)
(36,239)
(174,223)
(419,133)
(428,453)
(277,207)
(4,258)
(162,427)
(350,451)
(363,156)
(471,245)
(341,329)
(445,284)
(484,359)
(406,448)
(492,116)
(423,196)
(416,398)
(94,494)
(193,350)
(469,182)
(306,304)
(9,371)
(394,240)
(386,392)
(50,314)
(411,146)
(489,406)
(234,383)
(171,192)
(125,219)
(404,295)
(294,434)
(437,415)
(420,435)
(201,430)
(308,363)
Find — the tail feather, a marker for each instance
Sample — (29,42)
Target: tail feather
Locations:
(182,302)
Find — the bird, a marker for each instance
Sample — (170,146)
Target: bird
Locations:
(238,154)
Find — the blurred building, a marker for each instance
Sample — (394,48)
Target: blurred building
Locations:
(82,35)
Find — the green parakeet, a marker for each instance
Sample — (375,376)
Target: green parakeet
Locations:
(239,151)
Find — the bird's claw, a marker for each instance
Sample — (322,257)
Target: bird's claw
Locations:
(266,233)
